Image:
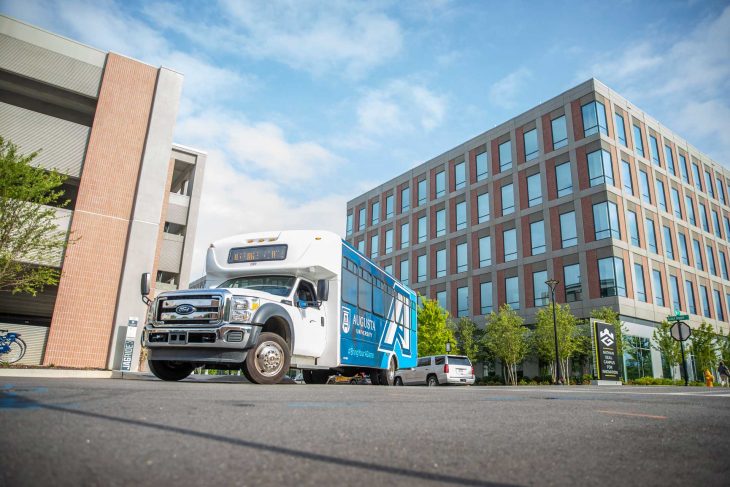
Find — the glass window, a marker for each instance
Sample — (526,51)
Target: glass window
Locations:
(374,246)
(600,168)
(620,129)
(441,298)
(719,313)
(441,263)
(563,179)
(720,190)
(388,269)
(633,225)
(705,299)
(541,291)
(365,293)
(483,207)
(512,291)
(404,271)
(708,184)
(723,263)
(690,210)
(405,200)
(505,156)
(534,190)
(349,224)
(696,176)
(644,185)
(626,177)
(461,215)
(405,235)
(485,297)
(462,260)
(531,149)
(651,236)
(639,280)
(674,291)
(388,206)
(571,273)
(683,168)
(422,267)
(440,184)
(605,220)
(637,357)
(657,286)
(462,301)
(375,213)
(508,199)
(440,223)
(711,260)
(422,229)
(689,291)
(510,244)
(560,132)
(361,246)
(654,148)
(537,237)
(611,277)
(482,166)
(422,192)
(668,245)
(675,203)
(698,254)
(389,241)
(568,230)
(683,252)
(638,142)
(361,219)
(485,251)
(349,286)
(660,196)
(670,160)
(459,175)
(594,118)
(703,217)
(716,224)
(726,220)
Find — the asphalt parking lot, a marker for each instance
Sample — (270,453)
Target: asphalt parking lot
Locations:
(129,432)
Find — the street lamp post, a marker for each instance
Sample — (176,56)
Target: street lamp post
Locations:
(552,283)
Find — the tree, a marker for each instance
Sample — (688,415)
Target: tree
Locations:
(542,339)
(666,345)
(724,347)
(506,338)
(29,235)
(704,348)
(467,337)
(433,331)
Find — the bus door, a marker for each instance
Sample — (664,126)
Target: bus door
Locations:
(309,329)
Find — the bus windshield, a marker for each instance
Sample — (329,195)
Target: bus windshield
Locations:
(278,285)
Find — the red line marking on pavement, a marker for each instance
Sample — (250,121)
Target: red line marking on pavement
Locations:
(638,415)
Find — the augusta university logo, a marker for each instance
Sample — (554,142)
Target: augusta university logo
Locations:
(606,337)
(345,320)
(397,333)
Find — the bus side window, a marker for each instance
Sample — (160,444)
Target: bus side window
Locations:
(349,287)
(378,301)
(365,293)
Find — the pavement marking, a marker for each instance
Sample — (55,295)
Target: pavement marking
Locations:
(638,415)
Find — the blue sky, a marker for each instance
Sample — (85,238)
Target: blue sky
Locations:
(303,105)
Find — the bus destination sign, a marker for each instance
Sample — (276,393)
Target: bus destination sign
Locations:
(257,254)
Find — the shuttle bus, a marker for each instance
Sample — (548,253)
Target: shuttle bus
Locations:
(275,300)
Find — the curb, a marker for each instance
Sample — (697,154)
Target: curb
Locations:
(57,373)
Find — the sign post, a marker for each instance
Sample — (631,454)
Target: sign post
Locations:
(681,332)
(606,348)
(129,343)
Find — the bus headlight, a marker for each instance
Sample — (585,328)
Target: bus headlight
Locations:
(242,309)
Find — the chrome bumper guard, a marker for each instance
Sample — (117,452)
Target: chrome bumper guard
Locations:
(232,337)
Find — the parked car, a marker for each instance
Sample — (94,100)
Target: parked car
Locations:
(358,378)
(436,370)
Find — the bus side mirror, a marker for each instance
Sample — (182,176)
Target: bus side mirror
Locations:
(323,289)
(144,287)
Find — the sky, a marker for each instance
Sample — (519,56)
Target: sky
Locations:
(303,105)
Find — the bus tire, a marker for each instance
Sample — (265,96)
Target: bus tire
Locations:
(170,371)
(268,361)
(387,376)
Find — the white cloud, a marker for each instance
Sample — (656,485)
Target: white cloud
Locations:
(400,107)
(506,91)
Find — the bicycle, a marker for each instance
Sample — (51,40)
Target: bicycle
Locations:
(12,347)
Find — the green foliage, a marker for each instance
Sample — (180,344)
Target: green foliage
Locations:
(28,231)
(666,345)
(467,338)
(433,330)
(723,342)
(658,381)
(704,347)
(570,340)
(506,338)
(608,315)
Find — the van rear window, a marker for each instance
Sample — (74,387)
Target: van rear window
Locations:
(459,360)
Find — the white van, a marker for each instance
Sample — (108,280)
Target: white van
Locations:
(436,370)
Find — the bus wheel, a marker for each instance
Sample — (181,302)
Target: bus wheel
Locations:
(387,376)
(269,360)
(168,370)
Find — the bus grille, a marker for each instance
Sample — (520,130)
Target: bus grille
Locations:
(189,309)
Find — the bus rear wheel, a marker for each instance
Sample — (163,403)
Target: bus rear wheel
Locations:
(387,376)
(269,360)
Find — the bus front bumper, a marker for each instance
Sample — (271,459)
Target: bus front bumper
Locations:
(224,344)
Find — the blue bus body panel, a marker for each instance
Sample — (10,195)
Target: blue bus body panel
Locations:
(368,340)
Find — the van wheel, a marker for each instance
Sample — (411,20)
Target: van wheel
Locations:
(398,381)
(169,370)
(269,360)
(432,381)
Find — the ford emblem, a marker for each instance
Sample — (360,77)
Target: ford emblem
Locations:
(185,309)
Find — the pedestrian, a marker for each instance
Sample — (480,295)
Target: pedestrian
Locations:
(724,374)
